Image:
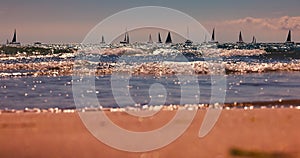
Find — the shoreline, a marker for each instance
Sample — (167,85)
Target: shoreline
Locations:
(280,104)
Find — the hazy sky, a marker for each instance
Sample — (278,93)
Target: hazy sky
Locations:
(57,21)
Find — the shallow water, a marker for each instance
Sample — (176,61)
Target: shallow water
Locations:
(46,92)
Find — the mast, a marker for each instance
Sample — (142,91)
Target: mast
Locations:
(169,39)
(159,38)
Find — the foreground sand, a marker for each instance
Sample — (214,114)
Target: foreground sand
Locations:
(238,133)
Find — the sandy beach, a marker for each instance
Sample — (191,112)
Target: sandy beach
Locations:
(238,133)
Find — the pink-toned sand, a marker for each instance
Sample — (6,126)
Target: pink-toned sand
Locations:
(63,135)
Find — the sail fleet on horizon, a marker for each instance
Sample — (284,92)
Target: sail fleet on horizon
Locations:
(168,39)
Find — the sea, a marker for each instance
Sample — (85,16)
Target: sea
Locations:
(272,84)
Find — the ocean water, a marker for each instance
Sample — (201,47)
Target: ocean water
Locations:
(49,92)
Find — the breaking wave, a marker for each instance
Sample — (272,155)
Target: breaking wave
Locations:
(157,61)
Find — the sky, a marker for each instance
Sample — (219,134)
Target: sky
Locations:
(69,21)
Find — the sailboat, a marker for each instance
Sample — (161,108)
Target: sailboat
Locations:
(213,38)
(159,38)
(240,39)
(289,38)
(169,39)
(188,42)
(126,39)
(102,40)
(14,40)
(253,40)
(150,39)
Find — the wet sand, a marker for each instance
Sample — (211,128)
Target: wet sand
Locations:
(238,133)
